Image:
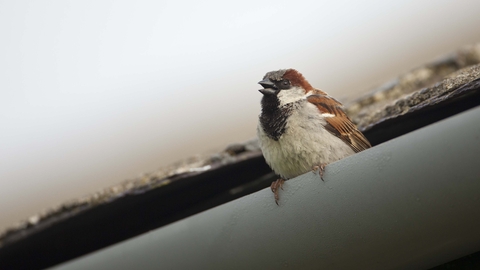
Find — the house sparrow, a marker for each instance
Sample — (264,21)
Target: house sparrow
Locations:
(302,128)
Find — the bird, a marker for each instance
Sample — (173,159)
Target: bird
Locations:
(301,128)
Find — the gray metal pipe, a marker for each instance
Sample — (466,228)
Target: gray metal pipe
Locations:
(410,203)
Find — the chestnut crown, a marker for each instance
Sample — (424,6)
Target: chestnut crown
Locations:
(284,79)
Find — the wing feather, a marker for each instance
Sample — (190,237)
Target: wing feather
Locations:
(339,124)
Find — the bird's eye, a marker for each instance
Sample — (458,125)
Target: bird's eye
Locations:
(284,84)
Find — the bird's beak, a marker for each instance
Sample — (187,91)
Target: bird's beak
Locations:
(268,91)
(266,83)
(268,87)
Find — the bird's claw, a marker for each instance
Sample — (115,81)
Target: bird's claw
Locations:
(320,168)
(275,188)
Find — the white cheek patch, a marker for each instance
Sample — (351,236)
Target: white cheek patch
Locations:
(291,95)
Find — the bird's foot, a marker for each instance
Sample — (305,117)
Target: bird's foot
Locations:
(275,188)
(320,169)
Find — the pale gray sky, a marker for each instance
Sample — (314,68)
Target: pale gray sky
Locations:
(95,92)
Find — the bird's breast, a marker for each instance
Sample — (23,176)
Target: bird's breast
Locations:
(274,120)
(303,144)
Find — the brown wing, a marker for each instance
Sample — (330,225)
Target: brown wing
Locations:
(339,124)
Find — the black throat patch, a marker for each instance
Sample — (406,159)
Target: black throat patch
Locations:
(273,118)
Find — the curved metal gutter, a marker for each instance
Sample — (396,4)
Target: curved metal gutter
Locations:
(410,203)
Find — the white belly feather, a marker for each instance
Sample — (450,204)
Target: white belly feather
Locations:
(305,144)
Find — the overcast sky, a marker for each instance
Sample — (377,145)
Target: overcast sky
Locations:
(96,92)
